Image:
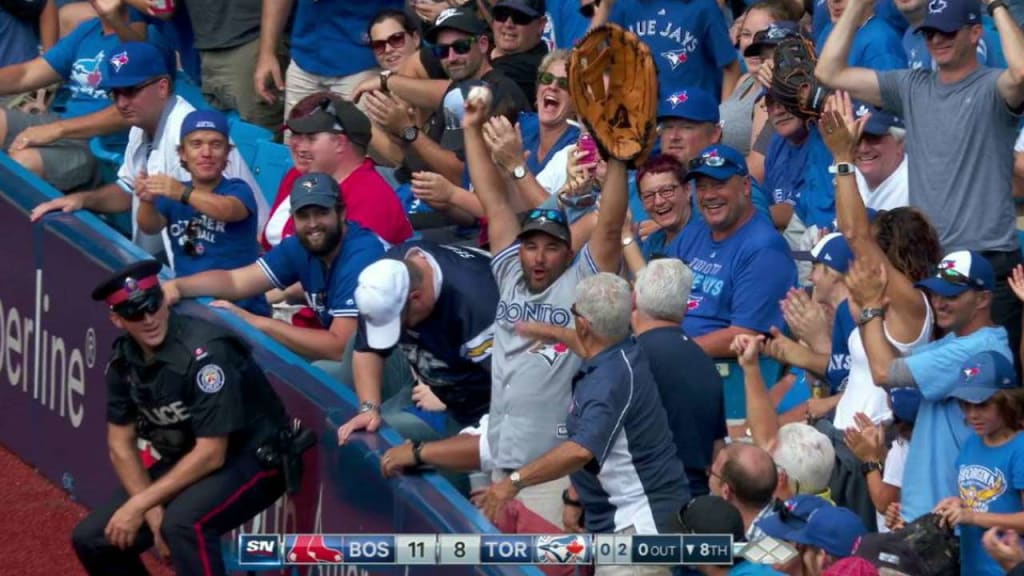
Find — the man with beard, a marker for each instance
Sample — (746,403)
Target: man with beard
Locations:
(326,256)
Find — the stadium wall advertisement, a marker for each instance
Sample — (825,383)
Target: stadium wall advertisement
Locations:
(54,346)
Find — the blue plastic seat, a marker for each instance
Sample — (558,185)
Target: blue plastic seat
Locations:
(733,388)
(269,164)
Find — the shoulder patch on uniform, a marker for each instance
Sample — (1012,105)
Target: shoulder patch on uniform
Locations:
(200,353)
(210,378)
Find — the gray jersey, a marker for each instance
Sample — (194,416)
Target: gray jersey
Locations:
(960,155)
(531,380)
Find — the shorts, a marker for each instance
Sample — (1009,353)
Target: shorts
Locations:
(68,164)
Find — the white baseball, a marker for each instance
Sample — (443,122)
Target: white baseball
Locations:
(480,96)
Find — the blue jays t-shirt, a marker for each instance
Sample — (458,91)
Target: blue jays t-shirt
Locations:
(529,126)
(330,289)
(77,58)
(990,50)
(737,281)
(939,430)
(339,25)
(876,45)
(839,359)
(689,40)
(635,478)
(450,350)
(798,174)
(202,243)
(990,479)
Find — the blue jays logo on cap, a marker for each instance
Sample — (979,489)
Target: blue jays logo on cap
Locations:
(937,6)
(677,99)
(971,372)
(310,183)
(119,60)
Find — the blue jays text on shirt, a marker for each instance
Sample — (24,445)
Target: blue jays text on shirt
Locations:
(513,312)
(705,277)
(688,42)
(208,227)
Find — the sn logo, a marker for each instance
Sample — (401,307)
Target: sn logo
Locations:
(259,550)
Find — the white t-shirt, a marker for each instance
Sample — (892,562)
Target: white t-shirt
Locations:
(160,156)
(553,176)
(893,192)
(861,394)
(892,473)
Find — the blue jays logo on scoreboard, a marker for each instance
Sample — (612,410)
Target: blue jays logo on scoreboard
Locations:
(568,549)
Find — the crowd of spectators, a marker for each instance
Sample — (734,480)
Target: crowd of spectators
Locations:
(562,326)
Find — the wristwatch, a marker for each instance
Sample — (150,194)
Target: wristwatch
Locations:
(844,169)
(516,480)
(519,172)
(417,455)
(410,134)
(868,467)
(368,407)
(185,195)
(869,314)
(384,75)
(627,241)
(569,501)
(993,5)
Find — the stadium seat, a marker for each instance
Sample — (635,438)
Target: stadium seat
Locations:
(269,164)
(733,388)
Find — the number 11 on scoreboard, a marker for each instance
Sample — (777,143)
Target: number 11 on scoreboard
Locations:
(415,549)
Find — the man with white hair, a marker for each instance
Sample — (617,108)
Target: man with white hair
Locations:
(881,160)
(619,450)
(805,458)
(688,381)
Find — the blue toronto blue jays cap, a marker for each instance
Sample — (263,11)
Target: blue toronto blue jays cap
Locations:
(690,104)
(982,375)
(959,272)
(771,36)
(832,250)
(879,122)
(790,516)
(314,189)
(719,161)
(950,15)
(834,529)
(133,63)
(204,120)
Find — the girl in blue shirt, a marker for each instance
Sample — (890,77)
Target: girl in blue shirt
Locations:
(990,468)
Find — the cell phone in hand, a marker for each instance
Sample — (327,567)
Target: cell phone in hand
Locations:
(588,147)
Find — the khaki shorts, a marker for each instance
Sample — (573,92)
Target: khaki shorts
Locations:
(67,164)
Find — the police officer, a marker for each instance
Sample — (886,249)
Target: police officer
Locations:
(194,391)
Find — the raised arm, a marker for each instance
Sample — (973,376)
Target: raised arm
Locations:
(275,14)
(502,224)
(833,68)
(606,239)
(1011,81)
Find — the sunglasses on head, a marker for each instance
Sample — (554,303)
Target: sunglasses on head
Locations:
(136,311)
(192,246)
(588,10)
(518,18)
(547,78)
(956,278)
(541,214)
(132,91)
(713,162)
(460,47)
(396,41)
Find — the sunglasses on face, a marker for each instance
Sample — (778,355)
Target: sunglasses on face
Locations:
(460,47)
(134,312)
(396,41)
(666,193)
(931,34)
(588,10)
(518,18)
(547,78)
(130,92)
(553,215)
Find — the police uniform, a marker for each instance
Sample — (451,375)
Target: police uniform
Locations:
(200,382)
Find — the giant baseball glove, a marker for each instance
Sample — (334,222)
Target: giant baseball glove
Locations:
(622,114)
(793,83)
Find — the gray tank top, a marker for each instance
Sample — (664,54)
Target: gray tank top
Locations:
(737,114)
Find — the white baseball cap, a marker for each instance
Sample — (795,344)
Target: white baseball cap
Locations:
(380,296)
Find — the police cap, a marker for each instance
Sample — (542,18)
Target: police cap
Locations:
(135,285)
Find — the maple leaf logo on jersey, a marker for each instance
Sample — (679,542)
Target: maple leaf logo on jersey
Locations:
(677,99)
(676,57)
(937,6)
(118,61)
(693,302)
(549,352)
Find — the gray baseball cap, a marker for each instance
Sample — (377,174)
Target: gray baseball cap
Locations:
(314,189)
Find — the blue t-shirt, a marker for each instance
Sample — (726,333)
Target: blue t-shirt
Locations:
(990,479)
(616,414)
(876,46)
(567,23)
(18,40)
(450,350)
(77,58)
(689,40)
(798,175)
(330,290)
(990,50)
(839,359)
(738,281)
(884,9)
(214,245)
(529,127)
(323,31)
(939,431)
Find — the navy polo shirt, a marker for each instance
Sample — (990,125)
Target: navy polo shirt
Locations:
(330,289)
(691,392)
(635,478)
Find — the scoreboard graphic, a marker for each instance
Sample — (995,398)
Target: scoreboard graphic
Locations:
(495,549)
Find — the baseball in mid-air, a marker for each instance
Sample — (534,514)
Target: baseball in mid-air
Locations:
(480,96)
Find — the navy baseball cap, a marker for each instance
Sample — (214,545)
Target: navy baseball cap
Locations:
(690,104)
(879,122)
(132,64)
(462,19)
(834,529)
(314,189)
(204,120)
(336,116)
(832,250)
(532,8)
(718,161)
(982,375)
(549,221)
(950,15)
(791,516)
(771,36)
(958,272)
